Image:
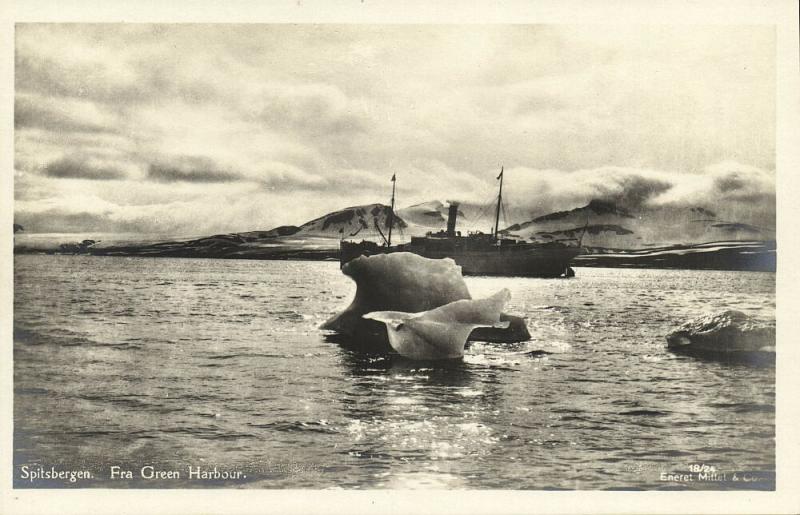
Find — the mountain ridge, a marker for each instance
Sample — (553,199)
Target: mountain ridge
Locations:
(607,231)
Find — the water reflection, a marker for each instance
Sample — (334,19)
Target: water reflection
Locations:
(364,343)
(411,420)
(755,359)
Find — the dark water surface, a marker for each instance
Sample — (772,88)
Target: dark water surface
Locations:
(178,363)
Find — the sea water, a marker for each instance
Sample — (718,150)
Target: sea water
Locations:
(175,373)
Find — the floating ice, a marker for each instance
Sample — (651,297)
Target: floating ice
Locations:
(724,333)
(441,333)
(408,283)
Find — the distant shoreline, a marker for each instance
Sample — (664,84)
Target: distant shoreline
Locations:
(758,256)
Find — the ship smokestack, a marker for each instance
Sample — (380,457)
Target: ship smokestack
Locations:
(451,219)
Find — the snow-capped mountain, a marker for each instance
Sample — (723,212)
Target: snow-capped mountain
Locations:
(604,224)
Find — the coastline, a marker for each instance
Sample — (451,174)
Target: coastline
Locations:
(758,256)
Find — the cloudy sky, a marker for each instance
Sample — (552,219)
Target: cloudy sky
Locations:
(198,129)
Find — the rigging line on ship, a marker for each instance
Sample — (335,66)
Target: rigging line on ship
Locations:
(505,216)
(500,207)
(483,213)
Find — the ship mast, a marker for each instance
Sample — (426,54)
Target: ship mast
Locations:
(391,212)
(499,202)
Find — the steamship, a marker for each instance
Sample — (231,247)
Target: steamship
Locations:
(477,253)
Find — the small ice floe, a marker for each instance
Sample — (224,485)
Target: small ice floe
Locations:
(727,333)
(441,333)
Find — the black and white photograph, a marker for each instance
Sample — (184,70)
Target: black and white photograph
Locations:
(378,256)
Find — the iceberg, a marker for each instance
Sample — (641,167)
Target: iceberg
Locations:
(407,283)
(441,333)
(727,333)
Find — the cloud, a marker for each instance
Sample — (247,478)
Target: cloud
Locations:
(356,185)
(63,115)
(316,117)
(285,177)
(298,196)
(735,181)
(98,81)
(99,62)
(529,193)
(631,190)
(60,221)
(75,167)
(190,169)
(730,182)
(317,109)
(539,192)
(228,206)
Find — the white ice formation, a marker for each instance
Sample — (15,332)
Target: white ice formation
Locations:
(406,282)
(441,333)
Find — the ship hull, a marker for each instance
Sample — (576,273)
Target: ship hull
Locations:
(522,260)
(349,250)
(535,262)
